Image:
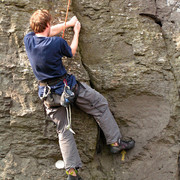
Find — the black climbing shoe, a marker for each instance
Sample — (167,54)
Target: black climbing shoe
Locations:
(70,177)
(122,145)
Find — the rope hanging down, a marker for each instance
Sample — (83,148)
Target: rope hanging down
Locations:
(66,17)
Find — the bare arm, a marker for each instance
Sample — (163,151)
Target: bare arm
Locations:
(56,29)
(75,40)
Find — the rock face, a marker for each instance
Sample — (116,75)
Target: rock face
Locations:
(130,52)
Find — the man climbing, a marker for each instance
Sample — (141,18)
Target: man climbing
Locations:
(45,52)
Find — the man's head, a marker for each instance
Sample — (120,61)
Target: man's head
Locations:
(40,20)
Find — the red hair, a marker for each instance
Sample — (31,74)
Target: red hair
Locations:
(39,20)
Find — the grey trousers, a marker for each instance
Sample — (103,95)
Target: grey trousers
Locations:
(93,103)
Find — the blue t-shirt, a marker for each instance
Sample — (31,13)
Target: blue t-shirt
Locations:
(45,56)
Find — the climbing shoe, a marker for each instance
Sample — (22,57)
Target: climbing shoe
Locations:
(122,145)
(70,177)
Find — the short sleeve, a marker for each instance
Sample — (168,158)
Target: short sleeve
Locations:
(66,49)
(27,39)
(29,35)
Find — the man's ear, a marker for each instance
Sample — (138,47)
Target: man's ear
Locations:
(48,25)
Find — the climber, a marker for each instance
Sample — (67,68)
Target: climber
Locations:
(45,52)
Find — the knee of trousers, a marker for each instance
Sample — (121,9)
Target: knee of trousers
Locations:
(101,104)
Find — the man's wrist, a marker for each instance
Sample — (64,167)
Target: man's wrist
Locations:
(69,24)
(76,33)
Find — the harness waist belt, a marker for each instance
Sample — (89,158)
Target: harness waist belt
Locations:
(52,81)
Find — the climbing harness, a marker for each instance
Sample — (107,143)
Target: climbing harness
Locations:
(66,17)
(54,100)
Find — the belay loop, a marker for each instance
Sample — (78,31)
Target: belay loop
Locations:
(65,82)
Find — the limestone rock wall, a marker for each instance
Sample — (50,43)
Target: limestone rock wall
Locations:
(129,50)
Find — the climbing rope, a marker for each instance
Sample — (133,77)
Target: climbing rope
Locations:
(68,108)
(66,17)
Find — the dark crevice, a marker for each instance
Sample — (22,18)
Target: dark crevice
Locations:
(154,17)
(85,67)
(101,141)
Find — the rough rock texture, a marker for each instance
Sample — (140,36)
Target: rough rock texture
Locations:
(129,50)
